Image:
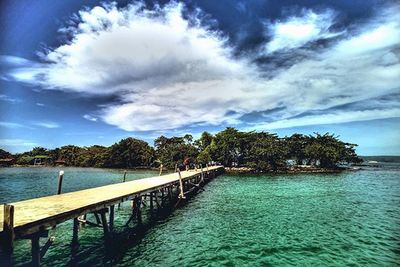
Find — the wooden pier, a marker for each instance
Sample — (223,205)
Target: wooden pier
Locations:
(32,219)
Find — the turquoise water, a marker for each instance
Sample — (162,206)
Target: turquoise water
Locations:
(347,219)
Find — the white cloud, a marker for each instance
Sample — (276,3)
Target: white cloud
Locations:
(89,117)
(16,145)
(16,142)
(11,125)
(151,50)
(331,118)
(14,61)
(46,124)
(170,72)
(40,104)
(6,98)
(297,31)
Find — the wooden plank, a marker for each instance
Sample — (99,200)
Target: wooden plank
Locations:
(35,214)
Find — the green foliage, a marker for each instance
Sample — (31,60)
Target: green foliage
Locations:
(266,152)
(296,145)
(230,147)
(25,160)
(71,154)
(131,152)
(4,154)
(327,151)
(204,141)
(204,157)
(175,150)
(38,151)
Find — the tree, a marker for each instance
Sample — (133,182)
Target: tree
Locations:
(204,157)
(296,145)
(94,156)
(327,151)
(175,150)
(131,152)
(4,154)
(228,147)
(204,141)
(267,152)
(70,154)
(24,159)
(38,151)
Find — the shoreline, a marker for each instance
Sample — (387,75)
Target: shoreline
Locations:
(293,170)
(229,170)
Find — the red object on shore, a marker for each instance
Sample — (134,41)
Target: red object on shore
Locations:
(59,161)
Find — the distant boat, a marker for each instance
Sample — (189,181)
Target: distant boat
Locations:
(374,163)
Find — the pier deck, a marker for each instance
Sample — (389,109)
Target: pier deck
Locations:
(33,215)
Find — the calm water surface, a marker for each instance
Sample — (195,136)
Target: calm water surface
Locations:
(347,219)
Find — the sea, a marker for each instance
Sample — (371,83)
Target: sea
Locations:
(343,219)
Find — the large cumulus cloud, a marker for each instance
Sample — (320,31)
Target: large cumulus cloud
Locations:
(170,70)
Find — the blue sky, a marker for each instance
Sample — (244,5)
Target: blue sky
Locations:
(95,73)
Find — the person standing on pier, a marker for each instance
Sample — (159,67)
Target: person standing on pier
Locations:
(186,162)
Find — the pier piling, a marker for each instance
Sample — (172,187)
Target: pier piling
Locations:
(60,180)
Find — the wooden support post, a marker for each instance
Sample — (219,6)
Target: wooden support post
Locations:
(46,246)
(35,249)
(111,223)
(181,194)
(202,174)
(156,200)
(161,169)
(8,236)
(98,221)
(60,180)
(123,180)
(75,230)
(176,167)
(162,196)
(105,226)
(151,201)
(138,202)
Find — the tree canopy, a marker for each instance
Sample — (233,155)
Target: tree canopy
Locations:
(258,150)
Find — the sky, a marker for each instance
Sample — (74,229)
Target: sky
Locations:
(93,72)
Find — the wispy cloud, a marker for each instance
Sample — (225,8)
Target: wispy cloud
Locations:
(89,117)
(11,125)
(46,124)
(16,142)
(9,99)
(171,71)
(297,31)
(330,118)
(40,104)
(17,145)
(15,61)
